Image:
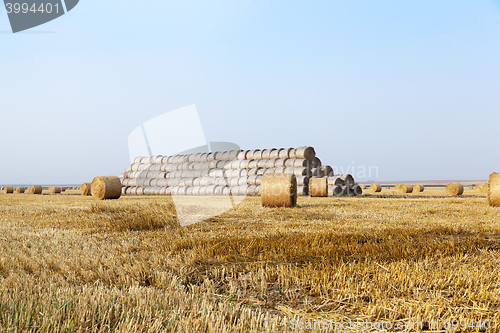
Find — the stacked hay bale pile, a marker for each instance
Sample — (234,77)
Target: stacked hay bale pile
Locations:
(236,172)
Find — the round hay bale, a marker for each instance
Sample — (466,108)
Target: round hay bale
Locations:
(261,163)
(242,181)
(285,153)
(493,189)
(242,155)
(348,179)
(35,189)
(479,188)
(253,164)
(225,156)
(280,163)
(301,191)
(8,189)
(316,172)
(20,190)
(266,154)
(315,163)
(275,153)
(106,187)
(375,188)
(318,187)
(244,164)
(454,189)
(270,164)
(261,172)
(297,163)
(279,190)
(417,188)
(210,190)
(357,190)
(252,190)
(337,190)
(233,154)
(244,173)
(218,155)
(335,180)
(404,188)
(302,180)
(326,170)
(86,189)
(306,153)
(57,189)
(218,190)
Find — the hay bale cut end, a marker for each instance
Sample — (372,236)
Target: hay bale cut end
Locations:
(279,190)
(454,189)
(86,189)
(494,189)
(318,187)
(8,189)
(375,188)
(106,187)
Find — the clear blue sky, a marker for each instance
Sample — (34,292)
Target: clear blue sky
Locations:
(411,87)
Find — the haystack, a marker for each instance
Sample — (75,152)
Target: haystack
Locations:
(454,189)
(279,190)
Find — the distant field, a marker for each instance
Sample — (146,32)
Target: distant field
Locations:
(69,263)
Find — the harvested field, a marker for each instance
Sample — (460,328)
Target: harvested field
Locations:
(72,263)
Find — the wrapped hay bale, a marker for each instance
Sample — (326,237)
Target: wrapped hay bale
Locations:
(404,188)
(57,189)
(86,189)
(279,190)
(454,189)
(20,190)
(494,189)
(318,187)
(8,189)
(106,187)
(417,188)
(375,188)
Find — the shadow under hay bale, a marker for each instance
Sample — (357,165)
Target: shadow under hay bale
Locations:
(279,190)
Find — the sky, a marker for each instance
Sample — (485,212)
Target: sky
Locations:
(408,88)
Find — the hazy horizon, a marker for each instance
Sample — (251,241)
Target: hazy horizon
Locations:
(407,87)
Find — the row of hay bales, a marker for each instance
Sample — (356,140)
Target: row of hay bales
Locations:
(240,171)
(33,189)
